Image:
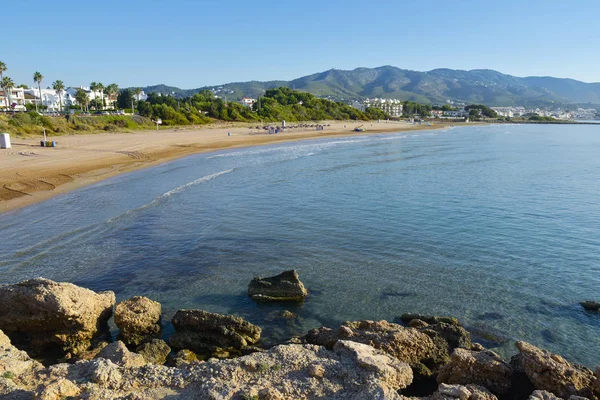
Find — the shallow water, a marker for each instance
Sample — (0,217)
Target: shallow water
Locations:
(498,226)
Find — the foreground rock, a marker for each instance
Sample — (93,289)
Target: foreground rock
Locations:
(155,351)
(208,333)
(351,370)
(467,392)
(425,350)
(283,287)
(118,353)
(483,368)
(552,373)
(49,315)
(138,318)
(591,305)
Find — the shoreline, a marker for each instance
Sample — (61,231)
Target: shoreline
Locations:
(33,174)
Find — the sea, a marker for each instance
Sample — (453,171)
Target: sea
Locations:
(496,225)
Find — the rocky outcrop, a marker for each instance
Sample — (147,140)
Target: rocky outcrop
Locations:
(118,353)
(52,315)
(138,318)
(351,370)
(283,287)
(17,370)
(205,332)
(591,305)
(483,368)
(430,319)
(467,392)
(552,373)
(424,354)
(543,395)
(155,351)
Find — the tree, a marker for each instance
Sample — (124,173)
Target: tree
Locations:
(82,98)
(3,69)
(37,78)
(94,88)
(137,92)
(59,86)
(101,90)
(8,86)
(111,91)
(125,98)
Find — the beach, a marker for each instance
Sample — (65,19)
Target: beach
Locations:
(31,173)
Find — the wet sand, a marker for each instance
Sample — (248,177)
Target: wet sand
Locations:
(31,173)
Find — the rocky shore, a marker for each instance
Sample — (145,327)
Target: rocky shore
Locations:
(213,356)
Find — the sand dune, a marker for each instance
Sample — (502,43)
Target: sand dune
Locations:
(31,173)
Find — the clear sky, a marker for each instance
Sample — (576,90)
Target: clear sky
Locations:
(189,43)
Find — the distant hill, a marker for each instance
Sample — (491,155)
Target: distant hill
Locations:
(436,86)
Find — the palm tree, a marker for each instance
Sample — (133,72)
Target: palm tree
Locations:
(111,91)
(100,88)
(94,88)
(59,86)
(137,92)
(8,86)
(37,78)
(3,69)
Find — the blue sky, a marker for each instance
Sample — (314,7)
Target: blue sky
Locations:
(196,43)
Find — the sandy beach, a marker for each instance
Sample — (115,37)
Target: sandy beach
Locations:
(31,173)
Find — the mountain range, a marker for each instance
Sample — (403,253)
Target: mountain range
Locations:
(436,86)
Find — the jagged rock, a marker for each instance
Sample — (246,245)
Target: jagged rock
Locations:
(483,368)
(283,287)
(591,305)
(552,373)
(138,318)
(477,347)
(17,370)
(47,314)
(118,353)
(543,395)
(90,353)
(205,332)
(155,351)
(410,345)
(57,390)
(455,335)
(468,392)
(430,319)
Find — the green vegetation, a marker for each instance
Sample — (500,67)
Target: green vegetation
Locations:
(410,109)
(276,105)
(477,111)
(539,118)
(8,375)
(32,123)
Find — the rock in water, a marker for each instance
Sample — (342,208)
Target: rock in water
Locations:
(551,372)
(483,368)
(47,314)
(591,305)
(138,318)
(283,287)
(205,332)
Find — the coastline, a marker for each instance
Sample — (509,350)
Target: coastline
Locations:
(32,174)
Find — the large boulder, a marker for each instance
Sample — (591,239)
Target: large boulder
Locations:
(483,368)
(591,305)
(17,370)
(409,345)
(138,318)
(430,319)
(283,287)
(47,314)
(205,332)
(551,372)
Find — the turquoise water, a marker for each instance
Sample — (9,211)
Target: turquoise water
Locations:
(498,226)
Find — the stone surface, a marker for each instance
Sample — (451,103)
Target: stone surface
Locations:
(409,345)
(205,332)
(17,370)
(482,368)
(283,287)
(430,319)
(118,353)
(467,392)
(543,395)
(138,319)
(155,351)
(551,372)
(47,314)
(591,305)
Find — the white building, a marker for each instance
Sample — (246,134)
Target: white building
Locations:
(247,101)
(456,114)
(13,99)
(392,107)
